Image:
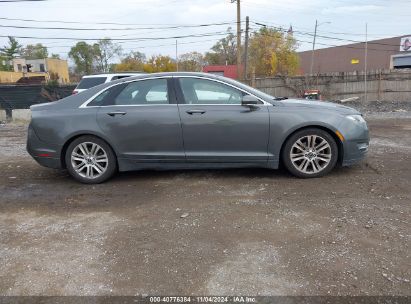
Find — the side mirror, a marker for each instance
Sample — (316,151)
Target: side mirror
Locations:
(249,100)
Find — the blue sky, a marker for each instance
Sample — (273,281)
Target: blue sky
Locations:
(339,19)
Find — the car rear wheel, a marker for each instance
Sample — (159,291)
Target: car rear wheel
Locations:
(310,153)
(90,160)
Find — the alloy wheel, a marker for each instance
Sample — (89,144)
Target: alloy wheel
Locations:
(89,160)
(311,154)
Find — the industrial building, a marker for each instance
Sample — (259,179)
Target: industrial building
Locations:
(390,53)
(47,67)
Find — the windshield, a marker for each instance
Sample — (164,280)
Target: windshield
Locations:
(89,82)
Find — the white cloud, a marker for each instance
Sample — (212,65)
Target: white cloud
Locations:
(352,9)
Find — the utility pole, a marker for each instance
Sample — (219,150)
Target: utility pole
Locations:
(247,30)
(366,63)
(238,37)
(177,55)
(312,54)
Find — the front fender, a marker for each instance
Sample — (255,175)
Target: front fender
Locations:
(285,121)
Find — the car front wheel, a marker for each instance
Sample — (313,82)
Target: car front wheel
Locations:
(90,160)
(310,153)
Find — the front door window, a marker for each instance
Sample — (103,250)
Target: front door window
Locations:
(207,92)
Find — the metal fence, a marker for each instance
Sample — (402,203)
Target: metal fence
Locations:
(23,96)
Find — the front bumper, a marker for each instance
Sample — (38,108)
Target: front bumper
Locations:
(356,142)
(355,151)
(46,154)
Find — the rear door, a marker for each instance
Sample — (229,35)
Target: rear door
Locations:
(142,121)
(216,127)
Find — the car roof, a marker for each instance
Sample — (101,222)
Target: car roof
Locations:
(176,74)
(114,74)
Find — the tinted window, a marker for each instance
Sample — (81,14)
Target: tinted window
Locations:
(143,92)
(89,82)
(106,97)
(120,77)
(98,101)
(202,91)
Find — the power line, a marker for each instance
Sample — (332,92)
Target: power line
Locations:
(326,32)
(122,39)
(146,46)
(333,38)
(99,23)
(115,29)
(332,45)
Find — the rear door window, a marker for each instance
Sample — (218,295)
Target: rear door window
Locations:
(89,82)
(144,92)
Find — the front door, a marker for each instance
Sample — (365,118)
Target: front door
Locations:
(216,127)
(142,121)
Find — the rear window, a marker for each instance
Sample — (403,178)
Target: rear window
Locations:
(89,82)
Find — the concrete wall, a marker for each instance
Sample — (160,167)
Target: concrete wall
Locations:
(20,115)
(386,85)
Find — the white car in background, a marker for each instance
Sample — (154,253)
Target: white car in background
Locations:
(90,81)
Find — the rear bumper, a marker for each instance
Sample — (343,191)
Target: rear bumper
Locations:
(46,154)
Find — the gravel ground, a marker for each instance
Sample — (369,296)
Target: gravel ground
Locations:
(249,232)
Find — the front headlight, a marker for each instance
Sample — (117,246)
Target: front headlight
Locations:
(356,118)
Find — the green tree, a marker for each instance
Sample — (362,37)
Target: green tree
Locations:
(55,56)
(4,64)
(272,52)
(34,51)
(191,62)
(84,56)
(8,52)
(160,63)
(107,50)
(11,50)
(134,61)
(224,51)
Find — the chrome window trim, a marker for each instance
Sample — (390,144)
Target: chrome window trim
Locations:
(84,105)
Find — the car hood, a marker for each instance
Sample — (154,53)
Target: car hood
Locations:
(320,105)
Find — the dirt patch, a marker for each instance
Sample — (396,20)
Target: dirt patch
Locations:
(256,232)
(63,252)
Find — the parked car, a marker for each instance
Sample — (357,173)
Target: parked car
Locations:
(90,81)
(191,121)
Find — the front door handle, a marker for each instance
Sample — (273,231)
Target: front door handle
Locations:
(112,114)
(191,112)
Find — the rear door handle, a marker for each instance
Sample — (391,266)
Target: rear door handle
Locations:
(191,112)
(112,114)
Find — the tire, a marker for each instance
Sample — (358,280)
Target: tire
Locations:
(90,160)
(310,153)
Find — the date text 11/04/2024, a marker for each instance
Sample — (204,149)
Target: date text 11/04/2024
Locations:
(203,299)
